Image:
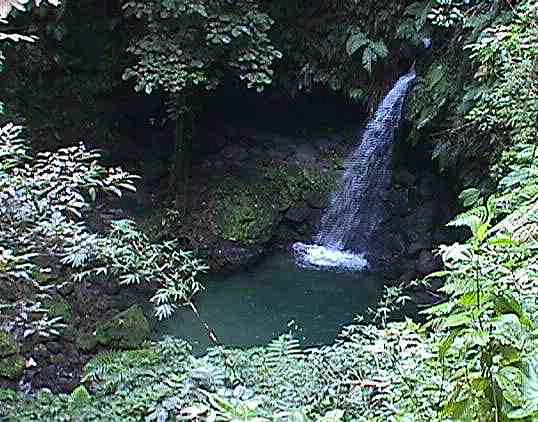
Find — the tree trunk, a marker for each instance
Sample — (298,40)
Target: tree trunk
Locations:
(182,165)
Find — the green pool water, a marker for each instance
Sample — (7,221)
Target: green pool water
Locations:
(254,307)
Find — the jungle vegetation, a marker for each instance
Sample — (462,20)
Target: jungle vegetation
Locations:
(473,359)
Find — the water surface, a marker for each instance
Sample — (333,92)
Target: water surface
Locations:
(254,307)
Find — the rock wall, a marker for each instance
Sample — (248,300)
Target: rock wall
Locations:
(260,192)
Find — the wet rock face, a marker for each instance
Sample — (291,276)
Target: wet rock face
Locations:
(233,256)
(263,191)
(419,203)
(407,232)
(298,214)
(260,192)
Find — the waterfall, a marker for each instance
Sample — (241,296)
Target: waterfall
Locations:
(357,210)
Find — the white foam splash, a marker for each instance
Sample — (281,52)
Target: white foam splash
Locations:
(317,256)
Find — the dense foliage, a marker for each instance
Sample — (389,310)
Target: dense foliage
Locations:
(45,203)
(44,198)
(474,359)
(193,43)
(469,118)
(344,46)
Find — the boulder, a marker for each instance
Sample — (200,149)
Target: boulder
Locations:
(154,170)
(316,200)
(233,256)
(423,242)
(277,155)
(54,347)
(89,300)
(409,272)
(8,345)
(66,288)
(235,153)
(385,252)
(60,377)
(297,214)
(11,367)
(8,291)
(397,202)
(426,187)
(326,145)
(245,214)
(449,235)
(86,342)
(127,330)
(421,221)
(314,220)
(59,307)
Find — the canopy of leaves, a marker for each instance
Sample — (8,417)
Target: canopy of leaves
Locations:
(190,43)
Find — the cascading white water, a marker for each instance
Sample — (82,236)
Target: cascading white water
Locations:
(356,209)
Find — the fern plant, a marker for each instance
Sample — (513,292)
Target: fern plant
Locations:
(283,348)
(126,253)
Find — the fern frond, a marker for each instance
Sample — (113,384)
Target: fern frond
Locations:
(282,348)
(473,219)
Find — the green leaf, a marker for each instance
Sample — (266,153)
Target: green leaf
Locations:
(195,410)
(441,309)
(333,416)
(502,241)
(368,57)
(447,343)
(355,41)
(356,93)
(510,355)
(508,304)
(469,197)
(508,329)
(380,49)
(529,389)
(509,380)
(457,320)
(476,338)
(462,410)
(481,232)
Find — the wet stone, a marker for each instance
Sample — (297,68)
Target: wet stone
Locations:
(316,199)
(298,214)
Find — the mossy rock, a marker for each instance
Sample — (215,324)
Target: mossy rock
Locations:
(12,367)
(245,214)
(293,183)
(127,330)
(8,345)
